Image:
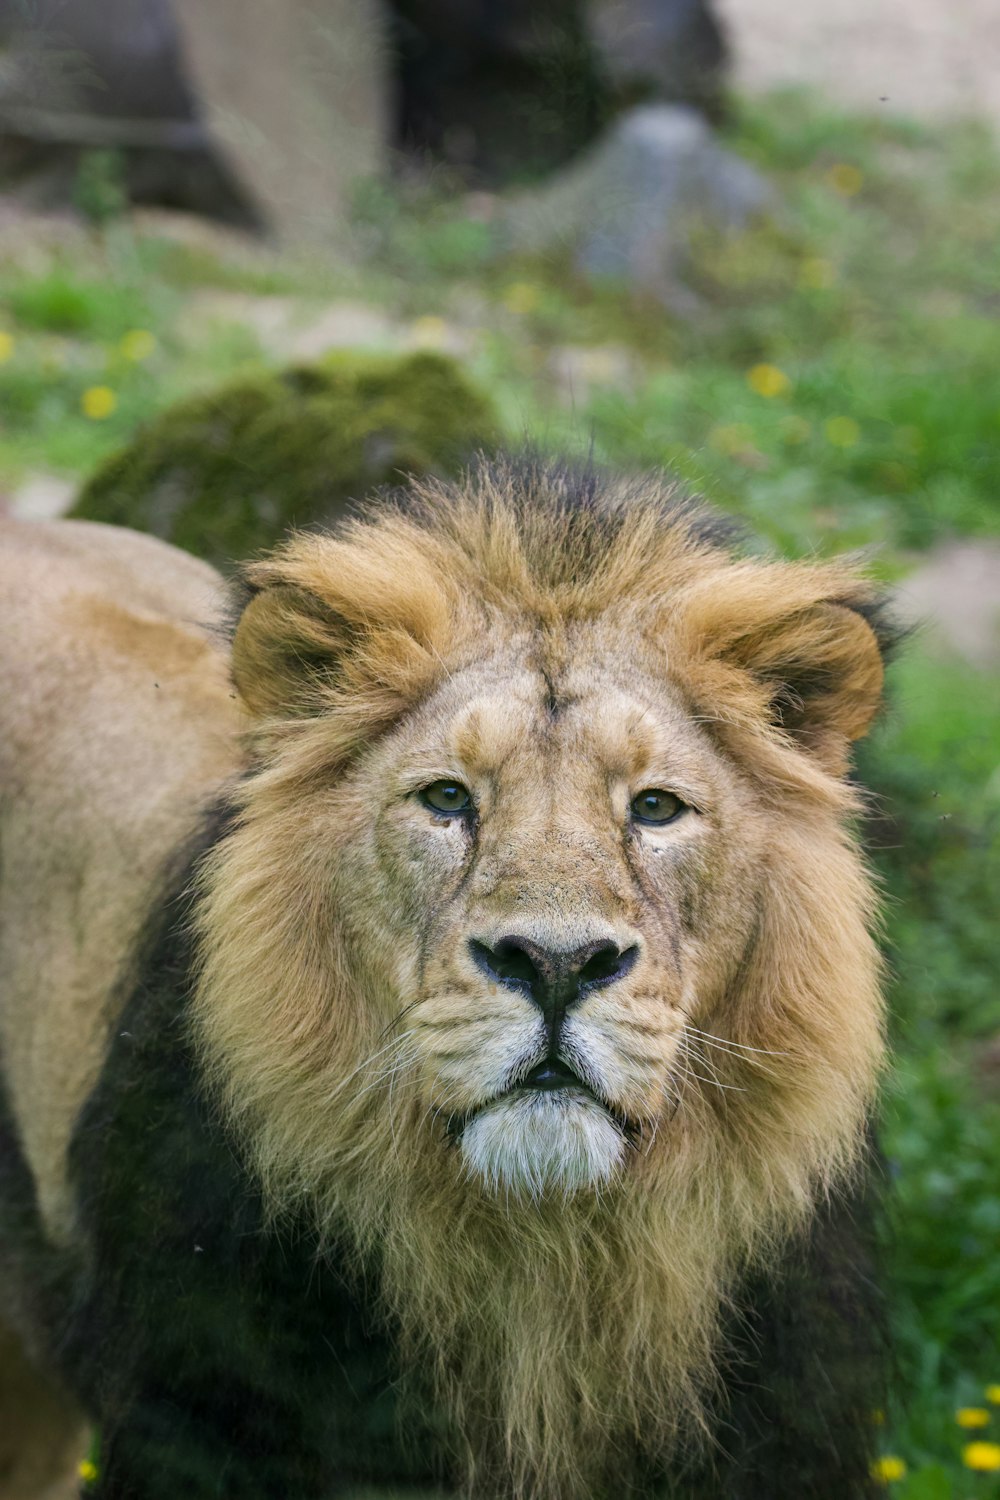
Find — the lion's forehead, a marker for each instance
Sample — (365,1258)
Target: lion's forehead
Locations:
(515,721)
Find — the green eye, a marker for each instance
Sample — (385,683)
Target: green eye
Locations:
(446,797)
(654,806)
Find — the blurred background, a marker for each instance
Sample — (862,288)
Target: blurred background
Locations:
(256,258)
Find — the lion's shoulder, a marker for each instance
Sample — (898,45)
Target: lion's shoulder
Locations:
(117,724)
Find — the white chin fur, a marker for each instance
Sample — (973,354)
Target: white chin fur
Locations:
(535,1143)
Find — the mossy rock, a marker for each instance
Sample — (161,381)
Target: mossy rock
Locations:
(225,475)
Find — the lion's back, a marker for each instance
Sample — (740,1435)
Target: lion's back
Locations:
(117,724)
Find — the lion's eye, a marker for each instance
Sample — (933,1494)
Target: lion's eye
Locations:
(446,797)
(655,806)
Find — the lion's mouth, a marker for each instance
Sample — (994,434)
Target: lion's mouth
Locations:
(549,1076)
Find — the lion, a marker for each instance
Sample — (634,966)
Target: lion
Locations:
(442,1015)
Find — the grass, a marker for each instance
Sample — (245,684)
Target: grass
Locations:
(839,388)
(934,761)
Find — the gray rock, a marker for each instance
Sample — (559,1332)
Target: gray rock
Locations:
(78,79)
(295,95)
(119,59)
(952,598)
(627,208)
(670,51)
(42,497)
(260,111)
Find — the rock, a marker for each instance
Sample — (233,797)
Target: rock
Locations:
(671,51)
(42,497)
(265,112)
(226,474)
(953,598)
(120,59)
(920,59)
(626,209)
(95,106)
(296,96)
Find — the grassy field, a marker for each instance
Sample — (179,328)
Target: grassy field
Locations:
(839,388)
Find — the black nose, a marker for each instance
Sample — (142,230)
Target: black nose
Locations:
(554,978)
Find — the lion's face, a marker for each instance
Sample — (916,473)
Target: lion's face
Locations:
(571,868)
(543,858)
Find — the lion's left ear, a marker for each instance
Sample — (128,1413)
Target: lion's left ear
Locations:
(285,645)
(329,615)
(823,669)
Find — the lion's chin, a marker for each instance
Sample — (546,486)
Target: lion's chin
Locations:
(532,1144)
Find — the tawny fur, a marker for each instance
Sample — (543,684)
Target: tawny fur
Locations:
(556,658)
(117,724)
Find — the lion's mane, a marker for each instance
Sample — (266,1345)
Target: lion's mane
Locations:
(557,1330)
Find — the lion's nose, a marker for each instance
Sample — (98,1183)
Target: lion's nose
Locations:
(554,978)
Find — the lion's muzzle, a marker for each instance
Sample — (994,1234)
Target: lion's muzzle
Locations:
(554,979)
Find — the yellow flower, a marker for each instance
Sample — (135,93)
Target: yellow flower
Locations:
(842,432)
(768,380)
(983,1457)
(845,179)
(87,1471)
(889,1469)
(972,1416)
(992,1394)
(98,402)
(6,346)
(137,344)
(521,297)
(816,274)
(878,1417)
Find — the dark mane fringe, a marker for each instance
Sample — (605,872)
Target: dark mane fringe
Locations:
(578,509)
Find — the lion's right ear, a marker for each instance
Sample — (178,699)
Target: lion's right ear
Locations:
(284,650)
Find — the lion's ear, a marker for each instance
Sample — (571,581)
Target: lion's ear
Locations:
(285,645)
(822,666)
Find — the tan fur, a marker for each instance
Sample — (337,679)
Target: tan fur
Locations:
(556,667)
(117,723)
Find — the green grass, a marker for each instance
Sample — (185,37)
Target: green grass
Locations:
(934,762)
(875,298)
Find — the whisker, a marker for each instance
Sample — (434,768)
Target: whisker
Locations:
(728,1088)
(453,1024)
(390,1073)
(729,1042)
(690,1072)
(397,1018)
(367,1062)
(693,1054)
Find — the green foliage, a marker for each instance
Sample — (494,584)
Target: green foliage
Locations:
(934,766)
(61,300)
(99,191)
(226,474)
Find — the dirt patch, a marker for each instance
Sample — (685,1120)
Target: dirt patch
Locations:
(923,58)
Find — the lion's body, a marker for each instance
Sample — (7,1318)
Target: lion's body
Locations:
(242,1195)
(117,723)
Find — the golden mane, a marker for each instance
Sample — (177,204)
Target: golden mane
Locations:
(557,1330)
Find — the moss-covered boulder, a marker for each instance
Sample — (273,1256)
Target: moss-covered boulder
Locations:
(225,474)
